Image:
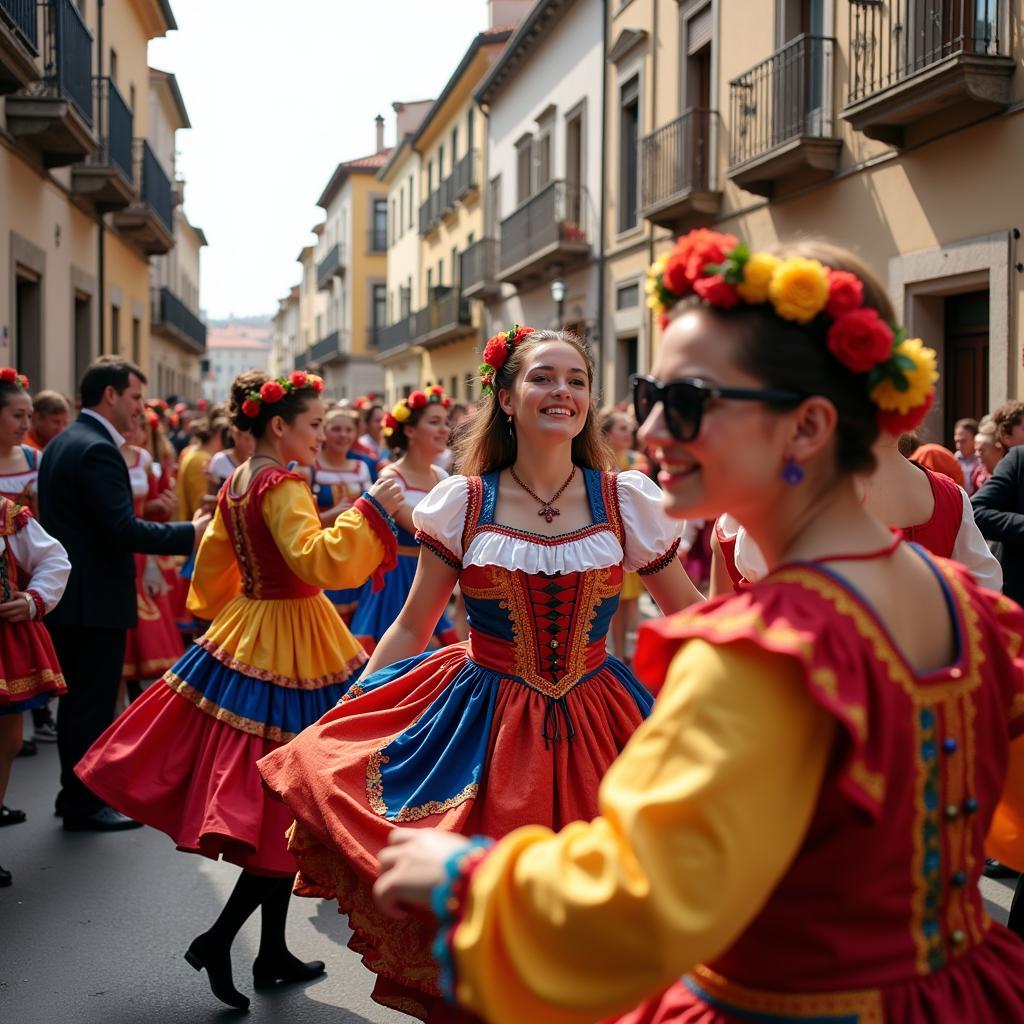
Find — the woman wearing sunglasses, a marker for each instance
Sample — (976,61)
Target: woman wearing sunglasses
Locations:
(798,830)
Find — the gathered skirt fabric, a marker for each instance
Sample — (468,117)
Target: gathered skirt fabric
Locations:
(438,741)
(154,645)
(30,674)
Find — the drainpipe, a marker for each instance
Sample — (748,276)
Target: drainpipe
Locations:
(649,314)
(101,235)
(601,347)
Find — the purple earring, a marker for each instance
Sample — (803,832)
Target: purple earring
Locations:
(792,472)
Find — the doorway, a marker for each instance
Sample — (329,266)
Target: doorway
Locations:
(965,358)
(83,335)
(27,355)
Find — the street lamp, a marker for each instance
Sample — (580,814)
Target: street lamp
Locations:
(558,294)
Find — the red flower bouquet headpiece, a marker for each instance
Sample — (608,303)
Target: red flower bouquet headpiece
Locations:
(723,273)
(9,375)
(404,407)
(272,391)
(496,353)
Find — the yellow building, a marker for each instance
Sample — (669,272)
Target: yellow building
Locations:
(84,200)
(893,127)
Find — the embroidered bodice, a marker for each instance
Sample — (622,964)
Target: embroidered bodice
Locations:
(18,487)
(539,607)
(333,486)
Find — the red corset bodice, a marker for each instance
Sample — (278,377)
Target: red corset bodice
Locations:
(265,573)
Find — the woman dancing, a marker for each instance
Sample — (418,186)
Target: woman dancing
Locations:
(797,831)
(518,725)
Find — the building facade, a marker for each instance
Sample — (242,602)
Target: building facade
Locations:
(84,200)
(892,127)
(543,101)
(234,348)
(284,336)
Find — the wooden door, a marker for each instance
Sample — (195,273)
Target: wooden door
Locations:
(965,358)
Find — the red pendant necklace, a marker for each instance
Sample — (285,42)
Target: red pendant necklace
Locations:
(547,508)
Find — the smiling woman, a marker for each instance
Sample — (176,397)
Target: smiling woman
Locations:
(517,726)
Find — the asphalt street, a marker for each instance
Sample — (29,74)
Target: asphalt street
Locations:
(94,928)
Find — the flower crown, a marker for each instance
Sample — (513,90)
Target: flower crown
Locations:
(723,272)
(274,390)
(496,353)
(9,375)
(405,407)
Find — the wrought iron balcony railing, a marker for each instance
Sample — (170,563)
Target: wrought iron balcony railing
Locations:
(478,265)
(114,125)
(447,311)
(430,212)
(22,14)
(168,310)
(153,184)
(466,175)
(68,56)
(556,215)
(333,344)
(785,97)
(677,158)
(330,265)
(394,335)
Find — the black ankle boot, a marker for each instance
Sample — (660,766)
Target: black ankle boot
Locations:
(283,968)
(217,962)
(5,878)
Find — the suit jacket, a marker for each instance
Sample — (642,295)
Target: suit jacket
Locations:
(85,501)
(999,513)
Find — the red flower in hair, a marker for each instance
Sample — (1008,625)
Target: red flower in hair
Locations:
(860,340)
(521,333)
(437,390)
(716,291)
(152,419)
(317,382)
(202,405)
(496,351)
(8,375)
(250,408)
(417,400)
(693,252)
(390,421)
(663,321)
(896,423)
(446,402)
(845,293)
(299,379)
(271,392)
(23,382)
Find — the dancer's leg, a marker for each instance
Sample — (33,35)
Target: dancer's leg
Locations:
(274,962)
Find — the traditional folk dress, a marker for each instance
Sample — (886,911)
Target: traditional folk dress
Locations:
(515,726)
(182,758)
(20,487)
(154,645)
(797,832)
(377,610)
(332,487)
(34,563)
(950,532)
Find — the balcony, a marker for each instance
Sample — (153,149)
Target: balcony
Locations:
(549,230)
(445,318)
(54,115)
(331,266)
(394,337)
(465,178)
(446,194)
(302,359)
(923,66)
(149,221)
(19,45)
(782,119)
(678,171)
(478,267)
(430,213)
(105,179)
(170,317)
(376,240)
(331,348)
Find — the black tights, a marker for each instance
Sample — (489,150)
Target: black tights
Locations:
(252,891)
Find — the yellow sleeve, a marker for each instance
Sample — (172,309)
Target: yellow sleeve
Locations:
(700,817)
(1006,834)
(216,579)
(192,483)
(343,555)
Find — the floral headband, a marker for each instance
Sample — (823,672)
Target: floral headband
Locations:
(496,353)
(723,272)
(9,375)
(274,390)
(405,407)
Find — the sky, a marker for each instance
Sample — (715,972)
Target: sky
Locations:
(278,94)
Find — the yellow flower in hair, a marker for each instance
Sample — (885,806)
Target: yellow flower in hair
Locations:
(920,379)
(757,277)
(799,289)
(401,412)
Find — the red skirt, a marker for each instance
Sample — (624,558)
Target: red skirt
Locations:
(30,674)
(154,645)
(438,741)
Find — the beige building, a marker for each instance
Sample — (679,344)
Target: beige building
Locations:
(890,126)
(233,348)
(284,336)
(84,199)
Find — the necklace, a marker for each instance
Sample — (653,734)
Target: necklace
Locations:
(269,458)
(547,508)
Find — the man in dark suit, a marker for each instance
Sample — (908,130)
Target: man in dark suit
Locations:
(999,513)
(85,501)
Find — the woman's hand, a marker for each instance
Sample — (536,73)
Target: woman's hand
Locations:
(387,492)
(17,609)
(412,866)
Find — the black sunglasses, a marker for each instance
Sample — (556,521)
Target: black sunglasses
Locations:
(686,399)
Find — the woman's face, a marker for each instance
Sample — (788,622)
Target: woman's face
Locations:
(15,417)
(340,435)
(375,423)
(550,398)
(987,450)
(735,463)
(301,439)
(620,434)
(430,434)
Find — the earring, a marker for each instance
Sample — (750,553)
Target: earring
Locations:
(511,428)
(793,472)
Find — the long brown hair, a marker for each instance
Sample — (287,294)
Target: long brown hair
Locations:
(486,445)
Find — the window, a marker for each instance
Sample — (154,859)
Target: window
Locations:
(544,147)
(627,296)
(131,97)
(379,311)
(629,140)
(440,163)
(524,169)
(379,234)
(440,273)
(470,127)
(454,393)
(136,340)
(430,280)
(455,267)
(574,163)
(455,145)
(113,64)
(394,220)
(400,223)
(411,200)
(115,330)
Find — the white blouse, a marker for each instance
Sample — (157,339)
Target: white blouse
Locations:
(44,560)
(649,532)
